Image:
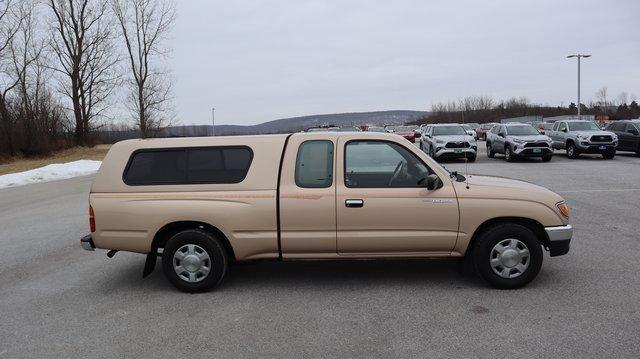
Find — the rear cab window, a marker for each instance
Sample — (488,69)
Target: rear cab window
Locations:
(314,164)
(191,165)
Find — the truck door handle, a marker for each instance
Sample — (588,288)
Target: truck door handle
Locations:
(355,203)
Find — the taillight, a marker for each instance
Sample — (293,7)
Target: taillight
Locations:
(92,220)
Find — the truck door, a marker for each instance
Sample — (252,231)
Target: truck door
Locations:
(559,135)
(383,210)
(307,197)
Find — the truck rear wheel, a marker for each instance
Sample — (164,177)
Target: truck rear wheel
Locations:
(507,256)
(194,261)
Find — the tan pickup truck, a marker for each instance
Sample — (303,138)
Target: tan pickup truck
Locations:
(200,203)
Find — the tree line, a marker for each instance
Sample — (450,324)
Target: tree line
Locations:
(483,109)
(65,64)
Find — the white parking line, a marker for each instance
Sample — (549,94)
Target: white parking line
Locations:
(602,190)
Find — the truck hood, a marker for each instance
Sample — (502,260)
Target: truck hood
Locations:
(505,197)
(592,133)
(506,188)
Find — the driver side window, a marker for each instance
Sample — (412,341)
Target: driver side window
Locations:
(380,164)
(562,126)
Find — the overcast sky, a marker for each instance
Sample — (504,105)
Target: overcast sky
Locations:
(257,61)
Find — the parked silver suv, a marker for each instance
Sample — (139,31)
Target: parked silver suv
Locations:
(579,136)
(518,140)
(448,140)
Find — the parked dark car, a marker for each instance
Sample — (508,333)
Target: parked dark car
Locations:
(628,132)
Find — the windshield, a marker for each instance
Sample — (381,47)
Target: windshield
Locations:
(522,130)
(474,125)
(403,129)
(466,127)
(583,126)
(448,130)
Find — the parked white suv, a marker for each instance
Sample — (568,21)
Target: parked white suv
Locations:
(448,140)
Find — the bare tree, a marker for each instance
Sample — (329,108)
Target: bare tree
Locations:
(623,97)
(601,98)
(8,29)
(145,25)
(83,43)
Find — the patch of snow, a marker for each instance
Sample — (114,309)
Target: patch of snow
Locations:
(52,172)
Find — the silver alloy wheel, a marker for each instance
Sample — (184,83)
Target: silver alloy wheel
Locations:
(570,151)
(191,263)
(509,258)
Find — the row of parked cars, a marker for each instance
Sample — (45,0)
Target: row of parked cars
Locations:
(517,140)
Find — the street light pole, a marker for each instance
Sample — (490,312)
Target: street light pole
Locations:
(213,121)
(578,56)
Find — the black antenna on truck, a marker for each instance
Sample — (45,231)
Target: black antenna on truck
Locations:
(466,161)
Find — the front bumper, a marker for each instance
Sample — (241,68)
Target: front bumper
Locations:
(87,243)
(455,152)
(532,151)
(559,239)
(587,147)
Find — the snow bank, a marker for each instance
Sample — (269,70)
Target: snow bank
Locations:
(56,171)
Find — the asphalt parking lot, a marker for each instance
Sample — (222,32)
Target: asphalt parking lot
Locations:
(57,300)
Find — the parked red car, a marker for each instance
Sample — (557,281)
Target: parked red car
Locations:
(483,129)
(405,131)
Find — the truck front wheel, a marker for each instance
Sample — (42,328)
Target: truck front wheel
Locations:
(507,256)
(572,151)
(194,261)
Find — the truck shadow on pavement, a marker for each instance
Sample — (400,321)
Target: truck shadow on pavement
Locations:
(325,275)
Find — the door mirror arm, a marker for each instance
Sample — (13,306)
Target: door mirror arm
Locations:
(431,182)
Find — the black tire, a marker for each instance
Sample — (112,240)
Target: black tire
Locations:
(421,148)
(483,250)
(471,159)
(432,153)
(490,152)
(547,158)
(508,154)
(218,261)
(572,151)
(609,154)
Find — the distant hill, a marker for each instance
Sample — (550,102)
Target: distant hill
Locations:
(295,124)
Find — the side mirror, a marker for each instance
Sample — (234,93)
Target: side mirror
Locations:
(633,131)
(564,130)
(501,134)
(431,182)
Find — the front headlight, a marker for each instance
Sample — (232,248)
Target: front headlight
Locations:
(518,140)
(582,137)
